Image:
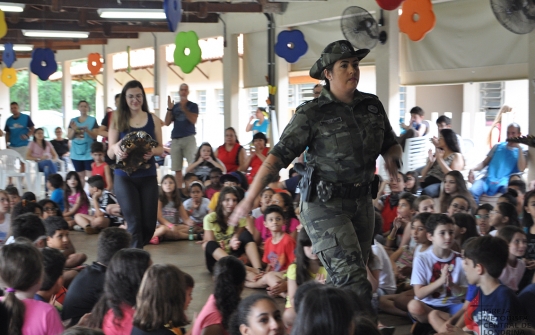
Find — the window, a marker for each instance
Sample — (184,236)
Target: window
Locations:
(297,94)
(402,103)
(491,99)
(291,97)
(201,101)
(253,100)
(220,101)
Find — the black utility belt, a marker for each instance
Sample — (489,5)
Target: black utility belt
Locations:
(326,190)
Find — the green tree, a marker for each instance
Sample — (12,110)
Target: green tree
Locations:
(20,92)
(84,90)
(50,97)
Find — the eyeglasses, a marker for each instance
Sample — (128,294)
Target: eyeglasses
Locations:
(457,206)
(50,209)
(486,216)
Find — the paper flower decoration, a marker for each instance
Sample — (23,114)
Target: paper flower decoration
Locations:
(3,24)
(187,51)
(173,13)
(291,45)
(9,54)
(389,4)
(9,76)
(93,63)
(417,18)
(43,63)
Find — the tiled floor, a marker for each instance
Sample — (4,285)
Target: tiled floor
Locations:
(189,257)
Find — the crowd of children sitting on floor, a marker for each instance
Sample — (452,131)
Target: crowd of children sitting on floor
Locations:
(469,269)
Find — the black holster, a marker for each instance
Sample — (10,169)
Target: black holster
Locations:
(305,184)
(375,186)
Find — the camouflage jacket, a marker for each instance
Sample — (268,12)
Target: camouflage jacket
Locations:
(343,141)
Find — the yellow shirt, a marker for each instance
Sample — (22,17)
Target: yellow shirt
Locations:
(292,274)
(210,223)
(213,202)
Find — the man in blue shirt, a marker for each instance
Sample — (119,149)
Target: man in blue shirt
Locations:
(19,127)
(184,116)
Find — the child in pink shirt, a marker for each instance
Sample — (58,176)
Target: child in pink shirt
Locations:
(21,267)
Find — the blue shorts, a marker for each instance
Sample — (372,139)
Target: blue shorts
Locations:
(80,166)
(450,309)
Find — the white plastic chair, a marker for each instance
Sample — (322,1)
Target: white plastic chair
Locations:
(11,169)
(415,153)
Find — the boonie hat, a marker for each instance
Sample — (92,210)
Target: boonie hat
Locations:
(333,52)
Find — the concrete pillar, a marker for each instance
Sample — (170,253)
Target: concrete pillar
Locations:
(107,81)
(231,80)
(282,69)
(5,111)
(160,77)
(387,69)
(531,95)
(34,96)
(470,111)
(66,92)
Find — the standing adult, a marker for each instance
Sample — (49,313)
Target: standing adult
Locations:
(137,193)
(345,131)
(503,160)
(42,152)
(231,153)
(184,115)
(105,125)
(261,124)
(19,127)
(83,131)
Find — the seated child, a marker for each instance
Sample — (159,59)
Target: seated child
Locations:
(482,218)
(504,214)
(396,304)
(411,183)
(264,199)
(21,269)
(174,222)
(99,167)
(387,204)
(278,249)
(5,217)
(188,179)
(30,226)
(55,189)
(28,196)
(454,185)
(494,306)
(464,229)
(75,200)
(50,208)
(107,210)
(214,185)
(437,274)
(53,262)
(225,180)
(404,216)
(197,205)
(458,204)
(424,204)
(515,267)
(520,187)
(284,201)
(57,231)
(14,197)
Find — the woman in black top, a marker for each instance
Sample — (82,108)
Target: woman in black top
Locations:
(61,145)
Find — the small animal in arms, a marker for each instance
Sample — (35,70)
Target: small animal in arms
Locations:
(136,144)
(527,140)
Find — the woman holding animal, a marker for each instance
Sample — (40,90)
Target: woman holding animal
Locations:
(137,193)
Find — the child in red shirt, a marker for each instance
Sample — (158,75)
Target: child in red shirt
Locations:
(99,167)
(278,250)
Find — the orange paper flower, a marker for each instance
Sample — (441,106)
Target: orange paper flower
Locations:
(93,63)
(417,18)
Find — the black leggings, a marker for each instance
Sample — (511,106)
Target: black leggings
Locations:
(138,198)
(245,238)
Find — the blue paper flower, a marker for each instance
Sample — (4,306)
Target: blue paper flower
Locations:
(46,56)
(9,54)
(173,13)
(291,45)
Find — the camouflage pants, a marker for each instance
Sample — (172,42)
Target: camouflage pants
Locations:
(341,231)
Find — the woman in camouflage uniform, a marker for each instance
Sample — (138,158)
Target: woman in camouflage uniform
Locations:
(345,131)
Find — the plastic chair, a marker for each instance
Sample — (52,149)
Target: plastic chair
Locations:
(10,159)
(415,153)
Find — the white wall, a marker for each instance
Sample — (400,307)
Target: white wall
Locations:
(516,96)
(441,99)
